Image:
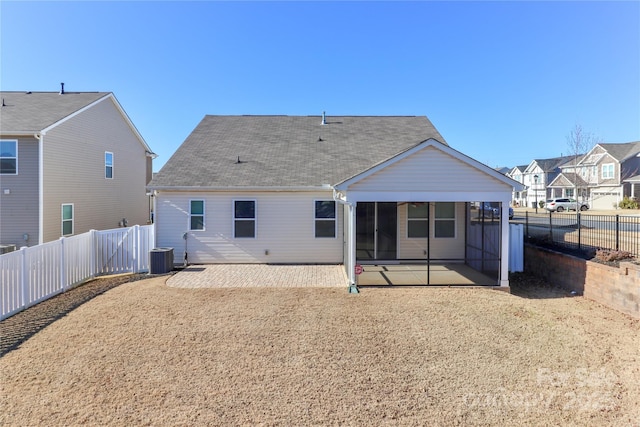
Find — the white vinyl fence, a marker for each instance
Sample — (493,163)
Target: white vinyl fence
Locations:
(34,274)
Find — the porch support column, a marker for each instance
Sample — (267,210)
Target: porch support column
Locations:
(504,246)
(351,247)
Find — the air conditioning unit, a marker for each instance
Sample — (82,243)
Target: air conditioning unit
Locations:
(5,249)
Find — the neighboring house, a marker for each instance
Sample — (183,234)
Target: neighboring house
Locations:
(285,189)
(518,198)
(603,176)
(69,162)
(536,177)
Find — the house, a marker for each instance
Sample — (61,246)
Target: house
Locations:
(604,175)
(518,198)
(69,162)
(536,177)
(347,190)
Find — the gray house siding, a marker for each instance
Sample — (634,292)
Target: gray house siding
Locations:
(19,208)
(74,172)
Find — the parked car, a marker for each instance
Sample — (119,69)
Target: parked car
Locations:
(489,211)
(565,204)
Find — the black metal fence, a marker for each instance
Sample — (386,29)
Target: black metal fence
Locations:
(583,232)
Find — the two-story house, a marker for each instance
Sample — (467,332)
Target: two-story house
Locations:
(536,177)
(69,162)
(519,198)
(603,176)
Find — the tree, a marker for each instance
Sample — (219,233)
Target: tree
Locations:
(580,142)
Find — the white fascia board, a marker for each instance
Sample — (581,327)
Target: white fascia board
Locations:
(438,145)
(117,105)
(426,196)
(8,134)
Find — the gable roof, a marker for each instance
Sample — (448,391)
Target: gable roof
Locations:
(30,112)
(288,151)
(621,151)
(550,165)
(27,113)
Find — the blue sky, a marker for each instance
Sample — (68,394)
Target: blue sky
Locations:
(504,82)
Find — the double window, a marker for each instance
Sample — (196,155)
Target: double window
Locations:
(325,218)
(607,171)
(108,165)
(67,219)
(244,218)
(418,220)
(8,157)
(196,215)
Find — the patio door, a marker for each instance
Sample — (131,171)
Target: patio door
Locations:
(376,231)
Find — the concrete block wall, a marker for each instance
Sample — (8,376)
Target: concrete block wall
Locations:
(615,287)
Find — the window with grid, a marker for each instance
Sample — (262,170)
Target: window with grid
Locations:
(607,171)
(108,165)
(67,219)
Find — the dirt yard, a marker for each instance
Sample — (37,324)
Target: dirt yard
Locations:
(142,353)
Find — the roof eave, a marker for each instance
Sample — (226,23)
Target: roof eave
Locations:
(193,188)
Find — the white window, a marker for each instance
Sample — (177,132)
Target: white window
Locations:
(108,165)
(607,171)
(417,220)
(445,220)
(325,218)
(244,218)
(67,219)
(8,157)
(196,215)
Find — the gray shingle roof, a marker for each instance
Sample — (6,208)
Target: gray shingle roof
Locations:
(288,151)
(620,151)
(35,111)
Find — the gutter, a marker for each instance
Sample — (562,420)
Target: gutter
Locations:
(40,137)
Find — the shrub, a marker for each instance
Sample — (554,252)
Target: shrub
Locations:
(610,255)
(628,203)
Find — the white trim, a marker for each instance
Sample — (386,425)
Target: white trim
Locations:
(613,170)
(255,218)
(204,215)
(425,196)
(17,167)
(344,185)
(426,219)
(455,221)
(106,166)
(62,220)
(117,105)
(40,138)
(334,219)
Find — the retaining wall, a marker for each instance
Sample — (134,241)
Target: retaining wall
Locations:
(615,287)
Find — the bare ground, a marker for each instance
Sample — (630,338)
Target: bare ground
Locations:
(142,353)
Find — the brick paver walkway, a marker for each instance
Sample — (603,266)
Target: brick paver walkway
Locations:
(259,275)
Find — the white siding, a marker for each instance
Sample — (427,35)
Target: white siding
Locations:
(285,227)
(441,248)
(430,170)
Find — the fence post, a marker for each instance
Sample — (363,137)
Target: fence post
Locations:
(93,253)
(63,271)
(579,217)
(24,282)
(617,232)
(526,222)
(550,227)
(136,248)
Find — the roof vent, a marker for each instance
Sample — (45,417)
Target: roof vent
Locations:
(3,104)
(324,121)
(61,88)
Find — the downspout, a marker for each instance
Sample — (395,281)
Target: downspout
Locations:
(353,288)
(40,138)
